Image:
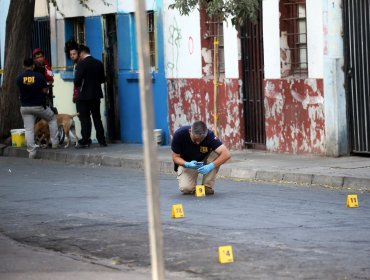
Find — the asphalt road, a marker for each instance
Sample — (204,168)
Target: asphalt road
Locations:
(276,231)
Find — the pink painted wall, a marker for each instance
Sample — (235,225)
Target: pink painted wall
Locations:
(294,116)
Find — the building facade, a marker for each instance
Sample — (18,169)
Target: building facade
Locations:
(108,29)
(292,82)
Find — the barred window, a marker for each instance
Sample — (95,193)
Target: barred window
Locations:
(79,30)
(152,39)
(293,38)
(215,32)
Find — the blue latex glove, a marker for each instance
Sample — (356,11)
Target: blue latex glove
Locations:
(193,164)
(206,168)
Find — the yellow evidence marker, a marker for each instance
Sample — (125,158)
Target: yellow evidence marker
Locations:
(352,200)
(200,190)
(225,254)
(177,211)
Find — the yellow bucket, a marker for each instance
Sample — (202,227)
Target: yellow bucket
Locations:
(18,137)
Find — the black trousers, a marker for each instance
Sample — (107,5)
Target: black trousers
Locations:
(85,108)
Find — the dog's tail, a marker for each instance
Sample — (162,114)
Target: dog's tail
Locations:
(75,115)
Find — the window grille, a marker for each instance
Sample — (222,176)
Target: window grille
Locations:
(293,38)
(41,36)
(215,29)
(152,39)
(79,30)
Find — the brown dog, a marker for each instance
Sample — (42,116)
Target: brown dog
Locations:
(42,133)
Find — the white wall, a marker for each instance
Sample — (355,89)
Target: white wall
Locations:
(74,9)
(232,51)
(336,129)
(41,8)
(181,43)
(315,35)
(271,38)
(128,6)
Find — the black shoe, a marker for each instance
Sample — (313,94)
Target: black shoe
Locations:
(82,144)
(103,144)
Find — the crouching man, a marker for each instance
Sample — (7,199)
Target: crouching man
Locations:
(33,89)
(195,149)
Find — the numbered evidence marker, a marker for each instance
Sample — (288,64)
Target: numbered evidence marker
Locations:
(177,211)
(225,254)
(352,200)
(200,191)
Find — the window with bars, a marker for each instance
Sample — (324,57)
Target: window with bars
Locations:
(221,52)
(293,38)
(79,30)
(215,32)
(74,31)
(152,39)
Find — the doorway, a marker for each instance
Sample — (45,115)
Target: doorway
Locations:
(110,66)
(356,25)
(253,75)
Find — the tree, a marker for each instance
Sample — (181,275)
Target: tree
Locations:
(237,10)
(17,41)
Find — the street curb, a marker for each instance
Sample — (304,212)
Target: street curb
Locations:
(165,166)
(2,148)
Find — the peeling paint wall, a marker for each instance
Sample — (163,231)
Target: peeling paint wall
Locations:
(294,116)
(192,99)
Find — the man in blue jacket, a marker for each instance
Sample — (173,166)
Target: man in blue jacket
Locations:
(33,89)
(88,78)
(196,149)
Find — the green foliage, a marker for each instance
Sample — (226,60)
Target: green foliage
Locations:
(238,10)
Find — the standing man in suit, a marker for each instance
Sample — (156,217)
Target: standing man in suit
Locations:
(88,78)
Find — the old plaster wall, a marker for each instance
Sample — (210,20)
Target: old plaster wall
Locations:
(294,116)
(192,99)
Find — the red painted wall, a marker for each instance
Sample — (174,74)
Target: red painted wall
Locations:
(192,99)
(294,116)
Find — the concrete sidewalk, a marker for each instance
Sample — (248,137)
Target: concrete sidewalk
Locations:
(343,172)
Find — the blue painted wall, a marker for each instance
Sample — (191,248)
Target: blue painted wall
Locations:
(131,129)
(94,36)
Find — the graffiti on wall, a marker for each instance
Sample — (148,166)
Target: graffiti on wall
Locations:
(294,116)
(174,40)
(192,99)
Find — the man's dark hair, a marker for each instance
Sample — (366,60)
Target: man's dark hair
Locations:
(84,48)
(71,44)
(28,62)
(199,128)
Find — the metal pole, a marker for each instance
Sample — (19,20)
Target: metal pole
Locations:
(215,84)
(150,152)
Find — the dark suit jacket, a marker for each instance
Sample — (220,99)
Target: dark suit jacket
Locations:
(88,78)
